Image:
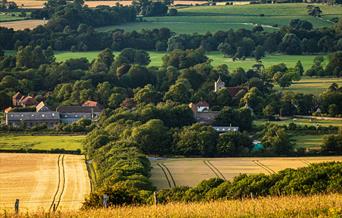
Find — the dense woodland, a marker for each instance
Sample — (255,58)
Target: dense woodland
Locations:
(146,108)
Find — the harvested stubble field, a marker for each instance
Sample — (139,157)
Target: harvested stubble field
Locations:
(294,206)
(42,180)
(22,24)
(173,172)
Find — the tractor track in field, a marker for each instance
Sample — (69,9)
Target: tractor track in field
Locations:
(269,170)
(61,184)
(214,169)
(219,172)
(168,175)
(305,162)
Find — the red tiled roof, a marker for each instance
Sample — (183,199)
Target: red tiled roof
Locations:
(17,96)
(7,110)
(28,100)
(91,104)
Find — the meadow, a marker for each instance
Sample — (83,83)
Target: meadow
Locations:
(11,16)
(41,180)
(216,57)
(309,85)
(171,172)
(308,141)
(41,142)
(301,121)
(292,206)
(202,19)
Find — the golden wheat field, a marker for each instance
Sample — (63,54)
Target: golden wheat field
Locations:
(43,181)
(173,172)
(294,206)
(22,24)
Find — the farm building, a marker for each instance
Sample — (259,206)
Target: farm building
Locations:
(19,100)
(70,114)
(31,119)
(44,116)
(202,113)
(223,129)
(41,107)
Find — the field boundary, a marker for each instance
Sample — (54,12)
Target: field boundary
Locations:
(319,118)
(91,175)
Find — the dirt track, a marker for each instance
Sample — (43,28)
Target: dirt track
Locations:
(43,181)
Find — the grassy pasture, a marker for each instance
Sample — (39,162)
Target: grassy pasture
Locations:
(308,141)
(190,171)
(202,19)
(303,122)
(43,142)
(10,16)
(41,180)
(216,57)
(311,85)
(290,206)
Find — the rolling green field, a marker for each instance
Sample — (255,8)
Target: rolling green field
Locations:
(299,121)
(11,16)
(17,142)
(312,85)
(217,59)
(308,141)
(202,19)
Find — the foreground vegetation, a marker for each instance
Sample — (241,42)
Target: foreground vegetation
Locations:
(41,142)
(289,206)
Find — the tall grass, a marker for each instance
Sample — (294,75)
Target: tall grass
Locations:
(293,206)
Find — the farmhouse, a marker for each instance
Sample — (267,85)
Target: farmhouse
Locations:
(31,119)
(19,100)
(201,112)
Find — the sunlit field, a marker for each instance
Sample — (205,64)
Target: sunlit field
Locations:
(292,206)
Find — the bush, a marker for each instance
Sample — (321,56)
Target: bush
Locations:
(172,12)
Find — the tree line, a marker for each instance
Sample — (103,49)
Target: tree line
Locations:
(186,76)
(70,32)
